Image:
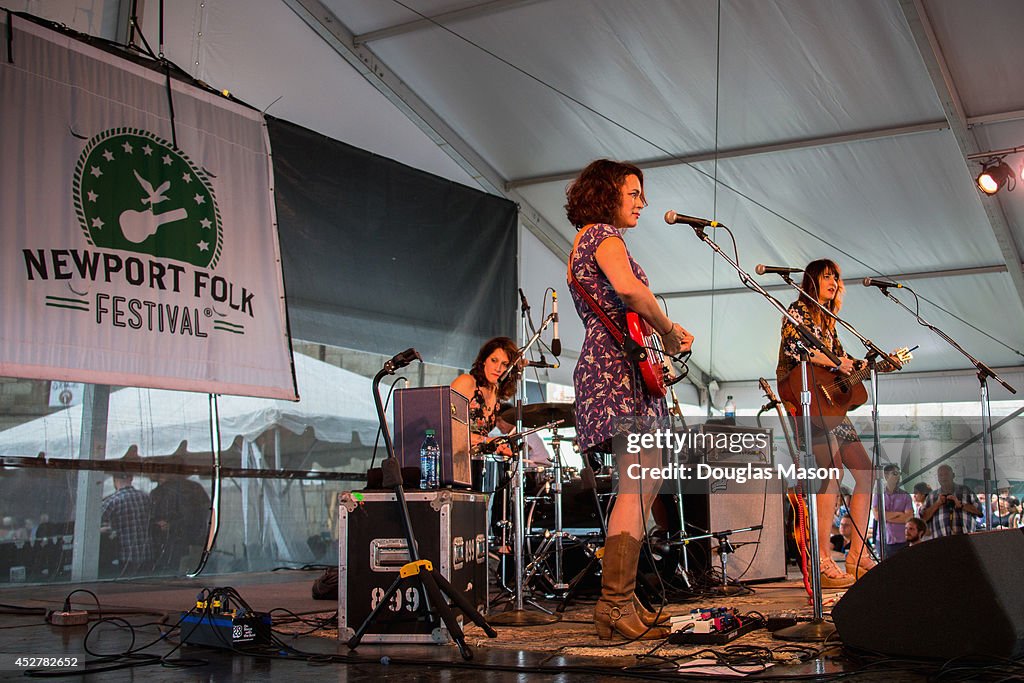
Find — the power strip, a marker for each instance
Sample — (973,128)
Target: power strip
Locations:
(68,617)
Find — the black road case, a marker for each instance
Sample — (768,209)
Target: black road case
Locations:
(450,530)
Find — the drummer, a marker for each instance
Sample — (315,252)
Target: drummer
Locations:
(486,389)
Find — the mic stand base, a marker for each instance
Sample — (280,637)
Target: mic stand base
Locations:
(812,631)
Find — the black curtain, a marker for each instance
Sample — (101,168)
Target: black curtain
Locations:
(378,256)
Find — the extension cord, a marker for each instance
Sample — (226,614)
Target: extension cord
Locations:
(75,617)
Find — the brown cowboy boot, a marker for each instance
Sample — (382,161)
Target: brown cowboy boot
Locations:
(649,617)
(615,611)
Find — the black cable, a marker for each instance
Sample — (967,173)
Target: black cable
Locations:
(380,428)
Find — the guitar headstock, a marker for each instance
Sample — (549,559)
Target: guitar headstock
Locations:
(767,389)
(903,356)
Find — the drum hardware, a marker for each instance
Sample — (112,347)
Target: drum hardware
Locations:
(517,616)
(538,414)
(725,548)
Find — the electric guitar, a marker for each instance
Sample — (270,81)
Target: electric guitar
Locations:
(797,502)
(833,395)
(654,367)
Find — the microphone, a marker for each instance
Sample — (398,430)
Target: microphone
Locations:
(541,364)
(673,218)
(522,297)
(402,359)
(556,343)
(762,269)
(881,284)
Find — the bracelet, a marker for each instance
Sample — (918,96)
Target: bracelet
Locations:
(671,327)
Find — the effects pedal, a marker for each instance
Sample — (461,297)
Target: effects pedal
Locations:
(710,626)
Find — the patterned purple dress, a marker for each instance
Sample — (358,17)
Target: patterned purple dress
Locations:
(607,385)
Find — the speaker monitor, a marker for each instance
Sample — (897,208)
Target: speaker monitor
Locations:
(947,597)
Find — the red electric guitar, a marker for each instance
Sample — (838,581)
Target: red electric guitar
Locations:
(655,370)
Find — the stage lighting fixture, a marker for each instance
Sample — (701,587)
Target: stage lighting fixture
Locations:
(995,174)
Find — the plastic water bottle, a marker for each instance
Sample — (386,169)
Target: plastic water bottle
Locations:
(430,460)
(730,407)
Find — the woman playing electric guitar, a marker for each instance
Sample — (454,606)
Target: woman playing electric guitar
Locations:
(834,440)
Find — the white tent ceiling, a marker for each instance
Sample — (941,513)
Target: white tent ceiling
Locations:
(842,129)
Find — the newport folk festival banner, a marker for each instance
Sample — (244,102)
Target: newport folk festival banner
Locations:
(128,259)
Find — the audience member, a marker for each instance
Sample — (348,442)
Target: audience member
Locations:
(1014,521)
(1001,510)
(916,530)
(841,541)
(126,515)
(952,508)
(181,515)
(921,491)
(899,508)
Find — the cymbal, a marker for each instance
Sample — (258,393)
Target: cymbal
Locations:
(538,414)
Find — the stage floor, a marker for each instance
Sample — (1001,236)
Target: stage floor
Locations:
(567,650)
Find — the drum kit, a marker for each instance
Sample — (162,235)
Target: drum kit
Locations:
(553,494)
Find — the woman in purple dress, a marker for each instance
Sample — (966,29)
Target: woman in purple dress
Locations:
(603,202)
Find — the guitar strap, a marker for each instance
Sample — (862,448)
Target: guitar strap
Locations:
(633,351)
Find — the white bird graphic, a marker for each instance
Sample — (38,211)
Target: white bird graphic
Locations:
(154,196)
(136,226)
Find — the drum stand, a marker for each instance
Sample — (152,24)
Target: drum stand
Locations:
(517,616)
(684,539)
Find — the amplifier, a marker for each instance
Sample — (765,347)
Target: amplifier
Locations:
(728,444)
(450,530)
(740,489)
(444,410)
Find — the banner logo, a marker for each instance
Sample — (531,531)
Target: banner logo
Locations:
(134,191)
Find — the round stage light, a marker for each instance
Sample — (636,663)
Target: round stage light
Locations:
(994,175)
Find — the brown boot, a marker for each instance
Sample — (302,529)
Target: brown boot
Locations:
(650,618)
(615,612)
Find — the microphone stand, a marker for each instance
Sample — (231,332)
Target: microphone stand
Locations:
(817,629)
(517,616)
(675,412)
(876,460)
(984,373)
(435,589)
